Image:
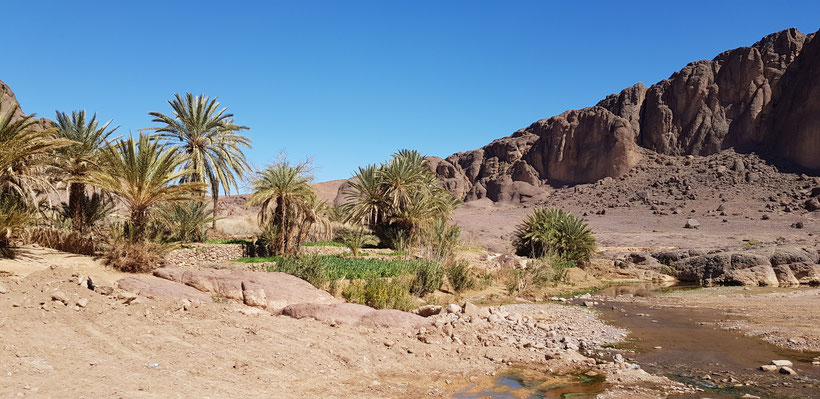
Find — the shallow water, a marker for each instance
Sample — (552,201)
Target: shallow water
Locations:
(517,384)
(691,347)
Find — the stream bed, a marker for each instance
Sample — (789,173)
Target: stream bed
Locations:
(684,344)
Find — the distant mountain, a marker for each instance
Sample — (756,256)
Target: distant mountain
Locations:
(763,98)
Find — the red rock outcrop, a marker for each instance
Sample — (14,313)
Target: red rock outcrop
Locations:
(764,97)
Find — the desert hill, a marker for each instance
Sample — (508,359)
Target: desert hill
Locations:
(764,98)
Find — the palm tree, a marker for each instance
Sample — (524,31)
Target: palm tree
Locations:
(283,190)
(25,152)
(366,199)
(209,140)
(141,174)
(78,159)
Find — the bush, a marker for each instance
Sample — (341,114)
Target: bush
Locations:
(380,293)
(308,267)
(460,276)
(538,273)
(184,221)
(13,216)
(440,240)
(140,257)
(551,231)
(427,279)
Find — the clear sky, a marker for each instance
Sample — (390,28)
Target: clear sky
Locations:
(349,82)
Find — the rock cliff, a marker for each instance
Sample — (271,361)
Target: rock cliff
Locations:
(763,98)
(8,100)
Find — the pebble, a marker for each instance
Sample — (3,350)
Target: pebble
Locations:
(787,371)
(59,296)
(3,289)
(82,302)
(782,363)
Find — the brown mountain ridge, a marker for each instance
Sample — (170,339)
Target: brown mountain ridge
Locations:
(764,98)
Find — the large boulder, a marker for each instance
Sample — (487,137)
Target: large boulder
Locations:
(270,291)
(778,266)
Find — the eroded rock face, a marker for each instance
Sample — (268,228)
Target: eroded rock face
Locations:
(766,96)
(783,267)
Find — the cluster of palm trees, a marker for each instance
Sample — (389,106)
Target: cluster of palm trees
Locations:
(195,148)
(161,176)
(399,199)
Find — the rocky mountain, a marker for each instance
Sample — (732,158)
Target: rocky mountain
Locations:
(764,98)
(9,100)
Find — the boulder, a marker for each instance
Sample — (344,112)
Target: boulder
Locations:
(153,287)
(692,224)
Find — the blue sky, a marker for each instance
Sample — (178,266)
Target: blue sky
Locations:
(350,82)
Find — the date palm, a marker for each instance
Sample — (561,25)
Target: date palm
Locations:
(143,174)
(25,152)
(284,193)
(209,141)
(366,199)
(78,159)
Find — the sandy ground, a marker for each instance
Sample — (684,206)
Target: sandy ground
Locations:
(88,345)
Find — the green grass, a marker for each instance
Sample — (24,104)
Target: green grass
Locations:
(323,244)
(232,241)
(343,267)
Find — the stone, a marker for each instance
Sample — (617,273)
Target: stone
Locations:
(471,309)
(59,296)
(428,310)
(812,204)
(82,302)
(453,308)
(104,289)
(3,289)
(768,367)
(787,371)
(782,363)
(692,224)
(589,304)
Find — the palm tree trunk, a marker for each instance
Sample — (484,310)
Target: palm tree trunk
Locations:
(216,207)
(280,209)
(76,203)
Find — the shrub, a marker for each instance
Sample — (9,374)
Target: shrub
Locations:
(460,276)
(427,279)
(13,216)
(551,231)
(538,273)
(355,239)
(139,257)
(440,240)
(308,267)
(380,293)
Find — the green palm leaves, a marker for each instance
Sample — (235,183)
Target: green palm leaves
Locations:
(288,205)
(141,173)
(551,231)
(209,140)
(77,159)
(402,193)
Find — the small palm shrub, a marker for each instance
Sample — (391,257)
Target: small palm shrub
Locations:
(13,216)
(551,231)
(461,276)
(427,279)
(185,221)
(548,270)
(357,238)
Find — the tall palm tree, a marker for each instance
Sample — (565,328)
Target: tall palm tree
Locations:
(209,140)
(283,190)
(25,152)
(142,174)
(78,159)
